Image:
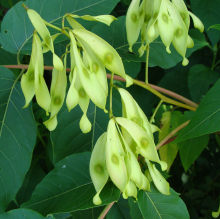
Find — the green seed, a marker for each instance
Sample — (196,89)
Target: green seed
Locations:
(165,18)
(82,92)
(57,100)
(134,17)
(147,18)
(144,142)
(178,32)
(95,67)
(31,77)
(99,169)
(86,73)
(108,58)
(115,159)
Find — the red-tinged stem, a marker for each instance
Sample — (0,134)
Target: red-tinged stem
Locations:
(191,104)
(170,136)
(105,211)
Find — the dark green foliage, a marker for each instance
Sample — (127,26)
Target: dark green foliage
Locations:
(46,174)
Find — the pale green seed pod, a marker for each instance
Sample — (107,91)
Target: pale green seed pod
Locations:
(115,157)
(180,33)
(161,184)
(197,22)
(184,13)
(106,19)
(106,53)
(132,111)
(40,27)
(152,33)
(57,63)
(73,23)
(89,81)
(43,31)
(27,79)
(133,22)
(85,124)
(97,167)
(190,42)
(148,12)
(72,98)
(133,168)
(165,25)
(95,65)
(41,90)
(130,190)
(58,93)
(45,46)
(145,143)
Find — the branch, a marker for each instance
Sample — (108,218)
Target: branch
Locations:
(170,136)
(105,211)
(191,105)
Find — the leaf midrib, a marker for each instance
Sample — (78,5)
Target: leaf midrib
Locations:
(8,101)
(57,195)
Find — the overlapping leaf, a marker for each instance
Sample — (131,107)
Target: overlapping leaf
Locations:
(68,188)
(206,118)
(155,205)
(16,29)
(17,137)
(21,214)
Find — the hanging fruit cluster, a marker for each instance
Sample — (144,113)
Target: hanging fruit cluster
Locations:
(168,19)
(126,153)
(116,153)
(90,55)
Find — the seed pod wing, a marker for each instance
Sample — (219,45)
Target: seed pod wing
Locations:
(97,167)
(115,157)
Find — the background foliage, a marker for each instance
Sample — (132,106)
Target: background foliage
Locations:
(46,174)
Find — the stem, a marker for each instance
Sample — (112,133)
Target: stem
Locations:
(105,211)
(147,63)
(174,95)
(162,97)
(171,134)
(110,98)
(56,28)
(139,83)
(155,111)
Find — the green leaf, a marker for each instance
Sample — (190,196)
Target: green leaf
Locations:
(134,209)
(21,214)
(191,149)
(68,188)
(158,206)
(208,12)
(216,26)
(200,78)
(206,118)
(17,30)
(91,213)
(7,58)
(32,178)
(119,210)
(158,54)
(17,137)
